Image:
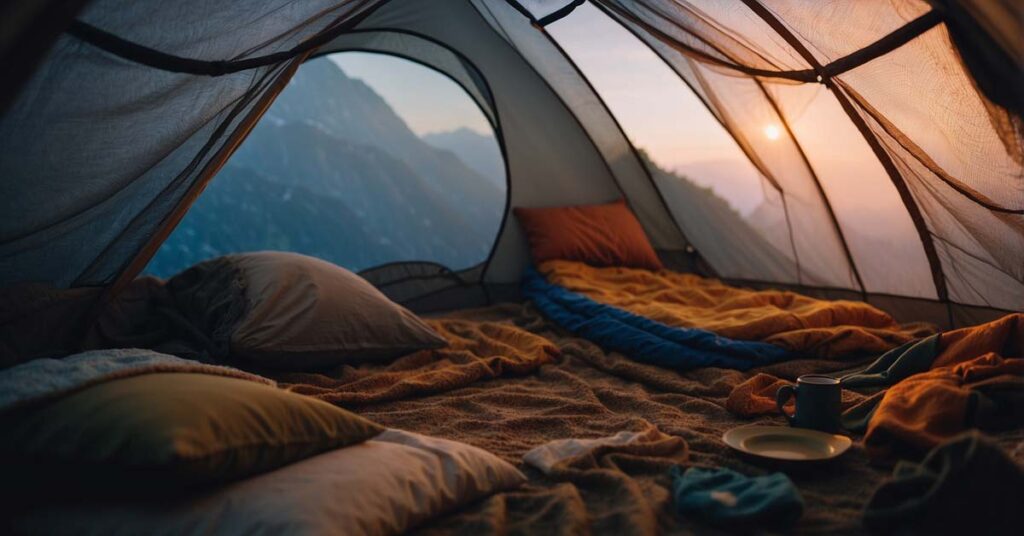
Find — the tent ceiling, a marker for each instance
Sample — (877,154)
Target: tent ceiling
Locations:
(135,110)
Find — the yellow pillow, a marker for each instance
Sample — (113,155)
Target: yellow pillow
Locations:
(167,430)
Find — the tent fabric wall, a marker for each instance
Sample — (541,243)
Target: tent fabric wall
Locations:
(955,156)
(98,150)
(101,154)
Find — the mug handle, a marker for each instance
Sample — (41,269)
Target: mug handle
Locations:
(782,396)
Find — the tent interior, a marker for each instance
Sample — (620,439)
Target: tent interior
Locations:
(512,266)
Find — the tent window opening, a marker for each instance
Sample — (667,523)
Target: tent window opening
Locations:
(710,185)
(364,159)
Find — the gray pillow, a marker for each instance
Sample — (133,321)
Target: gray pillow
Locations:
(289,311)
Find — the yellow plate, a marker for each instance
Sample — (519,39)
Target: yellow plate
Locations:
(785,443)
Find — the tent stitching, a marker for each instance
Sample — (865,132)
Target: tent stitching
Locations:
(157,59)
(629,143)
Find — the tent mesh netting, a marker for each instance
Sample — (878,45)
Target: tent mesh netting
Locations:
(135,108)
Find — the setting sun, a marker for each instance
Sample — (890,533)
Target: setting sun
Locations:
(772,132)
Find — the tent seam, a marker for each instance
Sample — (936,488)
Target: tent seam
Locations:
(633,150)
(909,202)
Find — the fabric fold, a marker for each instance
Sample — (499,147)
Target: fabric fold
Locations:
(965,485)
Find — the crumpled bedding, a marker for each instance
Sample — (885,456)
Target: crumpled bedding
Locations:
(511,381)
(934,388)
(476,351)
(976,379)
(583,392)
(798,323)
(641,338)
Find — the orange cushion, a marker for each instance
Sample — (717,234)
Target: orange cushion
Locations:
(599,235)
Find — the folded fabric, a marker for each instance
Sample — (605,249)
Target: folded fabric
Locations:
(938,386)
(941,385)
(476,351)
(549,455)
(966,485)
(928,408)
(643,339)
(45,379)
(896,364)
(800,324)
(607,483)
(729,499)
(1004,336)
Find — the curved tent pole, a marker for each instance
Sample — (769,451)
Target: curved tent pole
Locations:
(142,258)
(565,105)
(499,134)
(886,44)
(897,179)
(755,161)
(554,16)
(632,148)
(817,183)
(156,59)
(821,190)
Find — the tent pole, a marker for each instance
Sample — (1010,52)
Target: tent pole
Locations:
(755,161)
(632,148)
(135,266)
(897,179)
(821,189)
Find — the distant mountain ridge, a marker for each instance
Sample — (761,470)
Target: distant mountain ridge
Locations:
(702,213)
(478,151)
(333,171)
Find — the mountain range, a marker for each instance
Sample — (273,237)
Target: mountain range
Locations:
(478,151)
(332,171)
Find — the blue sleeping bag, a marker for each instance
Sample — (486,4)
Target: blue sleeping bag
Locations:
(641,338)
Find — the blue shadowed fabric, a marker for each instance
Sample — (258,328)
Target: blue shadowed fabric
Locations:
(641,338)
(723,497)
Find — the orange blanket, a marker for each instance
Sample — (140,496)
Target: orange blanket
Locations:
(476,351)
(799,323)
(976,380)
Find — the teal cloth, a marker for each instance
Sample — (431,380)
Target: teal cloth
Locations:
(966,485)
(895,365)
(725,498)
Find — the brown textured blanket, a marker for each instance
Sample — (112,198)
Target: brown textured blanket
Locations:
(505,391)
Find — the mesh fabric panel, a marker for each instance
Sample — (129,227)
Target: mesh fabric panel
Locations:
(959,154)
(98,150)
